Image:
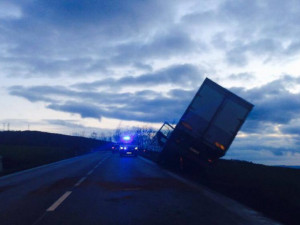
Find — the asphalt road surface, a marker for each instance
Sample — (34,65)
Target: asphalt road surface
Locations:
(104,188)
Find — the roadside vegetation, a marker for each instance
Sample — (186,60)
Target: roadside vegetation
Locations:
(275,191)
(272,190)
(28,149)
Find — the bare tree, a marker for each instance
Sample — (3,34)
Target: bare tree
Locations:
(93,135)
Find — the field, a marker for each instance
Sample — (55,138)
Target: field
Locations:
(16,158)
(24,150)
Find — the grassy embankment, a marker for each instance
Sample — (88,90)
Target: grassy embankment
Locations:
(28,149)
(274,191)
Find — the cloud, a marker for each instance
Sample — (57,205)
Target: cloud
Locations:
(293,127)
(144,106)
(144,110)
(273,125)
(164,45)
(241,76)
(185,75)
(9,10)
(274,102)
(83,109)
(65,123)
(144,61)
(63,38)
(245,29)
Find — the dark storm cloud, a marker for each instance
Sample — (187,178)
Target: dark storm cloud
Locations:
(33,94)
(274,145)
(163,45)
(40,93)
(270,18)
(145,105)
(53,94)
(268,29)
(267,48)
(274,103)
(292,128)
(185,75)
(113,18)
(154,110)
(54,38)
(266,146)
(85,110)
(241,76)
(136,108)
(66,123)
(143,66)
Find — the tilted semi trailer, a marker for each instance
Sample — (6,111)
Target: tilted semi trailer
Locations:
(206,129)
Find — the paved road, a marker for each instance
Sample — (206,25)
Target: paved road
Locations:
(103,188)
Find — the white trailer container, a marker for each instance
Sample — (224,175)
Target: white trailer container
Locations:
(209,124)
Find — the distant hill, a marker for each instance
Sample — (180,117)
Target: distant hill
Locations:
(26,149)
(293,167)
(37,138)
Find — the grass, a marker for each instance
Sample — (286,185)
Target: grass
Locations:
(27,149)
(16,158)
(274,191)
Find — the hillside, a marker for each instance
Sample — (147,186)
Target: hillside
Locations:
(272,190)
(26,149)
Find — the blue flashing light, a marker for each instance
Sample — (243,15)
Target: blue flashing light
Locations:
(126,138)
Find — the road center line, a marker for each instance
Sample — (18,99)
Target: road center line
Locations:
(89,173)
(66,195)
(80,181)
(59,201)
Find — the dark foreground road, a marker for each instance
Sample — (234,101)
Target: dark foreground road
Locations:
(102,188)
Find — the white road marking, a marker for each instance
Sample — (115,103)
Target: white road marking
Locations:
(59,201)
(89,173)
(80,181)
(66,195)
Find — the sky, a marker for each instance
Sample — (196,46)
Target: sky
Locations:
(75,66)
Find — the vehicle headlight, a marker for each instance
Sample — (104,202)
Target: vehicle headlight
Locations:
(136,148)
(121,147)
(125,148)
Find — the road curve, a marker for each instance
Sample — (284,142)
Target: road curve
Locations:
(103,188)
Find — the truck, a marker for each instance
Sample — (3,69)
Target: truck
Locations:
(207,128)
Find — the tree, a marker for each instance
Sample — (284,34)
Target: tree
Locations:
(93,135)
